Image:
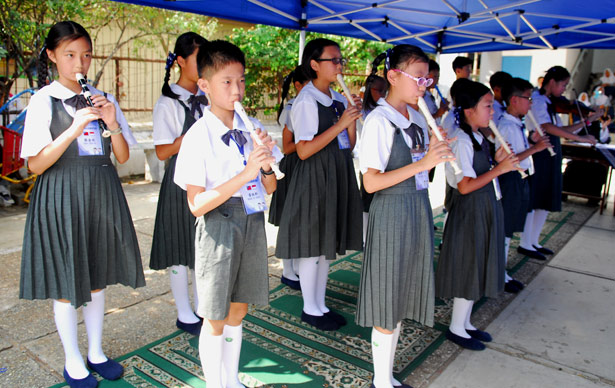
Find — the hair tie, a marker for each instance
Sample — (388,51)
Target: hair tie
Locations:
(170,59)
(457,113)
(387,62)
(43,49)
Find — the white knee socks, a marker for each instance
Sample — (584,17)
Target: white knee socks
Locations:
(396,332)
(308,277)
(231,350)
(467,324)
(526,237)
(93,316)
(179,287)
(210,352)
(507,278)
(381,353)
(321,284)
(65,317)
(540,217)
(288,269)
(461,307)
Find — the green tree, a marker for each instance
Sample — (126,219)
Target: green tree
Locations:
(272,53)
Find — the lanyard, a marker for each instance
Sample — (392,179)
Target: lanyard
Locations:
(240,148)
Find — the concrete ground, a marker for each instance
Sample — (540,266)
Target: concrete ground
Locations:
(558,332)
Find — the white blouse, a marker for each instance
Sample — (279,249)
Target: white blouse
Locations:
(36,133)
(169,116)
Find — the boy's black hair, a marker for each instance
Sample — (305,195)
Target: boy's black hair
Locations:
(516,87)
(500,79)
(215,55)
(313,50)
(66,30)
(296,75)
(184,47)
(433,65)
(393,58)
(460,62)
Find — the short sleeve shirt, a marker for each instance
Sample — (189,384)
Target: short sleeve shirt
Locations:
(36,134)
(204,160)
(511,129)
(377,140)
(464,152)
(169,116)
(304,113)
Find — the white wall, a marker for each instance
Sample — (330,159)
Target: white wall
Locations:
(602,60)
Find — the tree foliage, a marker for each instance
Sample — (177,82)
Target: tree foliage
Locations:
(272,53)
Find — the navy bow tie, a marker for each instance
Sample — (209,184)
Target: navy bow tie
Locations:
(237,136)
(195,104)
(77,101)
(416,134)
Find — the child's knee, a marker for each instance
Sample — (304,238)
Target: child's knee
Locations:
(237,313)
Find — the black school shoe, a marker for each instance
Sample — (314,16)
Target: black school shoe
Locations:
(321,322)
(88,381)
(192,328)
(511,288)
(480,335)
(294,284)
(110,369)
(532,254)
(396,386)
(543,250)
(338,318)
(466,343)
(517,283)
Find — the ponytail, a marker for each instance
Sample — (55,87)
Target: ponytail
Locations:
(296,75)
(466,94)
(556,73)
(185,46)
(368,101)
(42,67)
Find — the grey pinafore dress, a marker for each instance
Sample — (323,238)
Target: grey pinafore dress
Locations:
(471,263)
(397,279)
(323,210)
(79,234)
(174,228)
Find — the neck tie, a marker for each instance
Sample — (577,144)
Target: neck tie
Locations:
(195,104)
(77,101)
(416,134)
(237,136)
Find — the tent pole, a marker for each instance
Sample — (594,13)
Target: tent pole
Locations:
(301,44)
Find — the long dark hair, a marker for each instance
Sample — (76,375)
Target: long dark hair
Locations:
(313,50)
(295,76)
(185,46)
(62,31)
(466,95)
(394,58)
(556,73)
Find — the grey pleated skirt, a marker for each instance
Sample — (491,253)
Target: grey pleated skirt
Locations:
(471,262)
(323,210)
(397,279)
(173,241)
(548,180)
(287,166)
(79,234)
(515,201)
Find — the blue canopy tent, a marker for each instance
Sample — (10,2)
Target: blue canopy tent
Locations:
(442,26)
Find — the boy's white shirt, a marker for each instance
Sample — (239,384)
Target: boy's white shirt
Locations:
(205,161)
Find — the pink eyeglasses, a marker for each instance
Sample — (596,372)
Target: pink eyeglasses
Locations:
(422,81)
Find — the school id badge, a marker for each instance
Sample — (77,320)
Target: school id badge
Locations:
(90,141)
(343,140)
(253,198)
(422,178)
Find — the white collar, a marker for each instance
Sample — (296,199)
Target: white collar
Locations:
(321,97)
(216,125)
(57,90)
(508,117)
(181,92)
(394,116)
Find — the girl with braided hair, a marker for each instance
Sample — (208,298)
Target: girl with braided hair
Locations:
(176,110)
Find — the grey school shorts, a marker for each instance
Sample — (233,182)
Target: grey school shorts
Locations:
(231,259)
